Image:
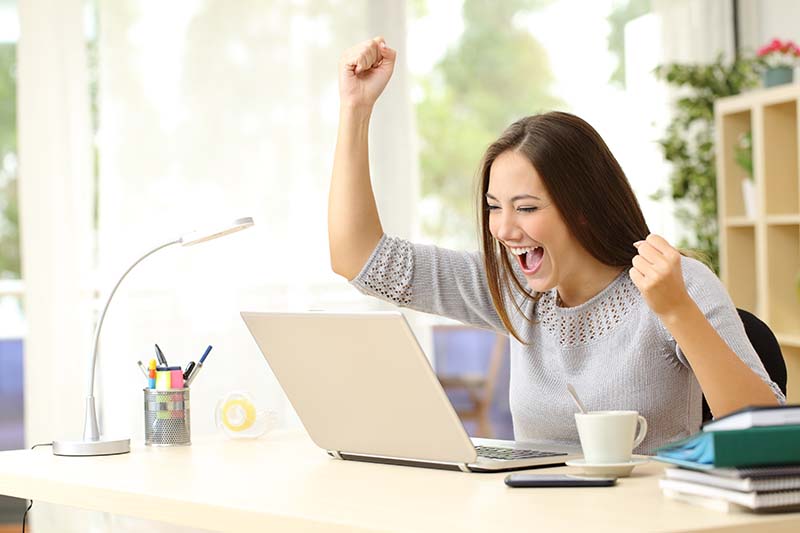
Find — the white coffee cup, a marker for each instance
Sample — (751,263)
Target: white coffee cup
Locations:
(608,436)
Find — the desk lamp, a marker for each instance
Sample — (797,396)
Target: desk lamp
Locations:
(92,444)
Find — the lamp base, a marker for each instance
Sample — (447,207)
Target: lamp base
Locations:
(84,448)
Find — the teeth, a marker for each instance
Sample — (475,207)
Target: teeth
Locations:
(520,251)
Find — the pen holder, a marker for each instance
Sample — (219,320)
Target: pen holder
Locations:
(166,417)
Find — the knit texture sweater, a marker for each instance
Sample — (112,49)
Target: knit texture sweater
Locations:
(612,348)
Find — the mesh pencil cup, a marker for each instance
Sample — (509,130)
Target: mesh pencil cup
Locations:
(166,417)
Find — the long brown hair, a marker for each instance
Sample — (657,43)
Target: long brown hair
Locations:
(586,185)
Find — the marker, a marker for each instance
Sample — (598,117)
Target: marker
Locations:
(151,377)
(198,367)
(142,368)
(160,356)
(163,381)
(188,371)
(176,377)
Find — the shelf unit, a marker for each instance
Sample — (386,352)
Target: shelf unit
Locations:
(760,252)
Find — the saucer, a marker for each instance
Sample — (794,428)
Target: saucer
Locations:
(608,469)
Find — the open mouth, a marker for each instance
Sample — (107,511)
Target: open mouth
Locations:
(530,259)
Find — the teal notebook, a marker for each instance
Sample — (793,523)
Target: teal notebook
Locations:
(756,446)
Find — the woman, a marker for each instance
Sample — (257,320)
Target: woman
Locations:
(568,268)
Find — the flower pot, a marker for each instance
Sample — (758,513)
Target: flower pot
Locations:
(749,197)
(777,76)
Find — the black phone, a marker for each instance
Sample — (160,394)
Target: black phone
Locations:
(557,480)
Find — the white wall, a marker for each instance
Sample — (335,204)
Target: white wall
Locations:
(764,20)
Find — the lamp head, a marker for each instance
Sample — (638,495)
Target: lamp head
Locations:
(213,232)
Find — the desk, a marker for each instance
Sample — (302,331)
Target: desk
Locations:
(282,482)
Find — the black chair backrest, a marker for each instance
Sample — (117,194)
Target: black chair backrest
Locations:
(767,348)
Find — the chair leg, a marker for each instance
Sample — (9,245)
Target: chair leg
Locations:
(484,429)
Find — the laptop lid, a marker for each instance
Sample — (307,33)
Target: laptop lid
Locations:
(361,383)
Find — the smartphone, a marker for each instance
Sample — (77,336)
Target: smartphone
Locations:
(563,480)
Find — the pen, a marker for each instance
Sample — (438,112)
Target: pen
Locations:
(142,368)
(198,367)
(160,356)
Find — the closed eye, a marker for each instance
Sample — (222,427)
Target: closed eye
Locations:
(492,207)
(527,209)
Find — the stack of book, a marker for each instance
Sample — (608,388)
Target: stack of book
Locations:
(749,459)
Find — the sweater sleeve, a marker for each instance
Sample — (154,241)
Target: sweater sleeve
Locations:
(430,279)
(711,297)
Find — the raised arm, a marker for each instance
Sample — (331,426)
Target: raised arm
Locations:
(727,381)
(354,227)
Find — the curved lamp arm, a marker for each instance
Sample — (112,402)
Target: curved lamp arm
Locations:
(91,430)
(92,444)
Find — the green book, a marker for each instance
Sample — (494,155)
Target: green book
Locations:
(756,446)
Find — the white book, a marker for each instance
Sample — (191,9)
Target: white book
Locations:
(704,501)
(785,415)
(745,484)
(751,500)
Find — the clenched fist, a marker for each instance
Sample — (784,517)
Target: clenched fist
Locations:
(657,274)
(364,71)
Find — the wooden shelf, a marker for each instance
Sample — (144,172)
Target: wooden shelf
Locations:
(782,219)
(741,252)
(760,97)
(760,247)
(788,340)
(779,162)
(740,222)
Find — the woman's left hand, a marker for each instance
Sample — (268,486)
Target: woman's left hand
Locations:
(657,274)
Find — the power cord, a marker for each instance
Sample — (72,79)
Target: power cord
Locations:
(25,516)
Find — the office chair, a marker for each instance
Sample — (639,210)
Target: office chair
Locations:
(480,387)
(767,348)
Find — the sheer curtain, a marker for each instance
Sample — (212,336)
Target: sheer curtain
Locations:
(695,32)
(55,209)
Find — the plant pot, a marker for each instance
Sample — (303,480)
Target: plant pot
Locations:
(777,76)
(749,197)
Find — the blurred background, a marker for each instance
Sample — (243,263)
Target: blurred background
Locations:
(125,123)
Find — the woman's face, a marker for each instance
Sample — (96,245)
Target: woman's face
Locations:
(524,220)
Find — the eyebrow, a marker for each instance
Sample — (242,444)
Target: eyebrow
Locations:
(515,198)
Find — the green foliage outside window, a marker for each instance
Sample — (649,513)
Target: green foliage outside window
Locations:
(9,221)
(496,73)
(689,144)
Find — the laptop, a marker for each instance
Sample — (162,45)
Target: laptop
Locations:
(365,391)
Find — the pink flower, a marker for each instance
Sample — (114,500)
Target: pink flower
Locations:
(779,53)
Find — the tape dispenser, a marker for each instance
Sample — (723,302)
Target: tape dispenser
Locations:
(237,417)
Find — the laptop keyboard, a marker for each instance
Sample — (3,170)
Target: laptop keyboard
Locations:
(512,454)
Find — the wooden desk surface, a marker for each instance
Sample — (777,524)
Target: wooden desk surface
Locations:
(285,483)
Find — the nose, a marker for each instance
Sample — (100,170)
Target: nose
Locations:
(506,228)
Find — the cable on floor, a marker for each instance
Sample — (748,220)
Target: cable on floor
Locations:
(25,515)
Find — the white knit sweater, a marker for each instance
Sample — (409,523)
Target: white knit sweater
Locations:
(612,348)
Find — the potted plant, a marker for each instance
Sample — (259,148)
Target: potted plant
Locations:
(779,59)
(743,155)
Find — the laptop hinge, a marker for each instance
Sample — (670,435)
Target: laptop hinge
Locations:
(334,454)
